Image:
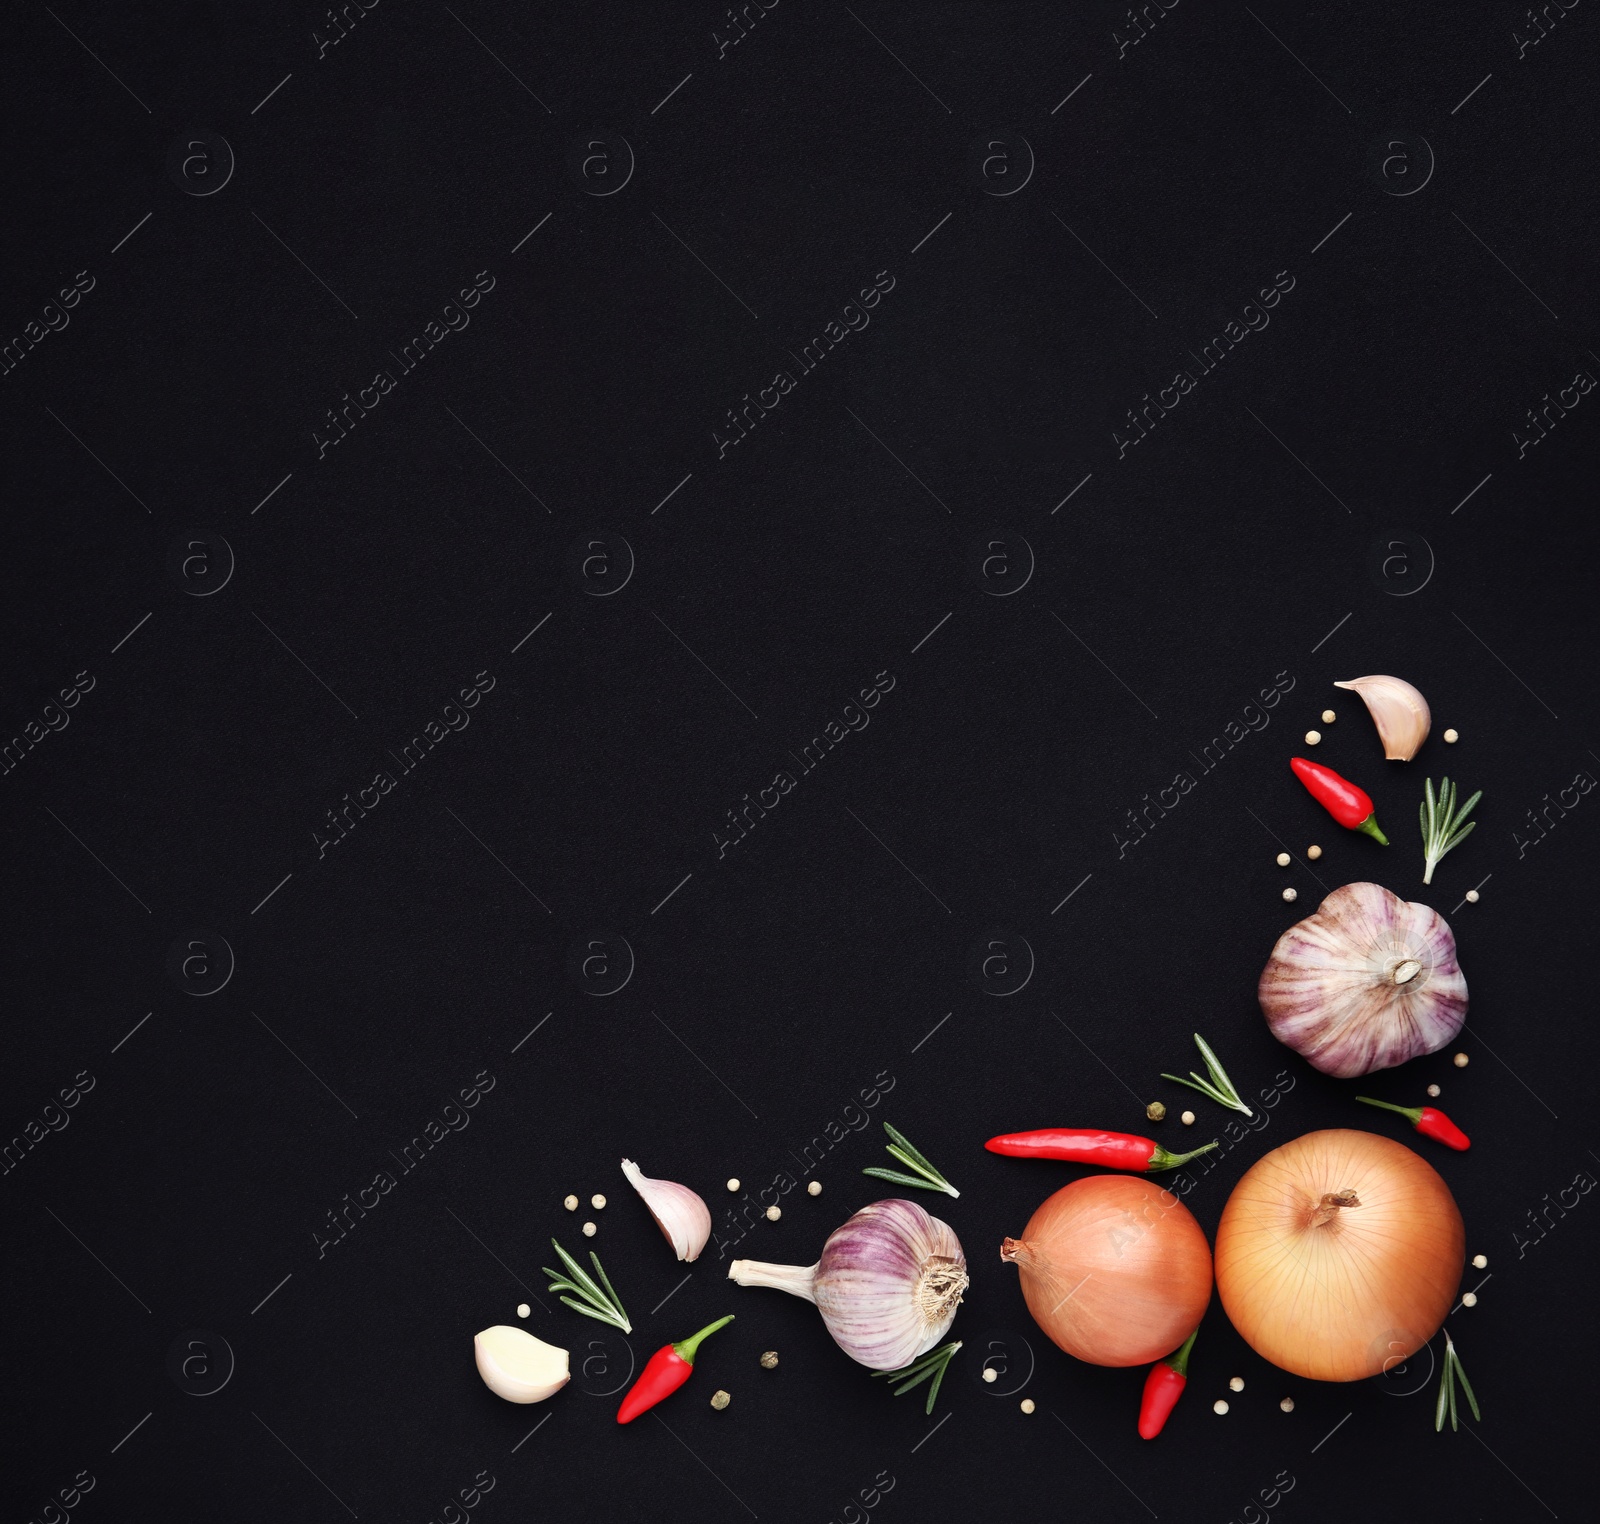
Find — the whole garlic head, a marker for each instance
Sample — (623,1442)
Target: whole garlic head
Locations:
(517,1366)
(1366,983)
(1398,710)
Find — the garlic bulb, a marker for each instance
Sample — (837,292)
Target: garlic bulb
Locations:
(684,1219)
(1368,982)
(1398,710)
(517,1366)
(887,1285)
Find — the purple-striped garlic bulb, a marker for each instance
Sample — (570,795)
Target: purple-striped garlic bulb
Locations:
(887,1285)
(1368,982)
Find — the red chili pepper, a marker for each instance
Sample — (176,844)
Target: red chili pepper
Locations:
(666,1370)
(1430,1122)
(1114,1150)
(1349,805)
(1163,1387)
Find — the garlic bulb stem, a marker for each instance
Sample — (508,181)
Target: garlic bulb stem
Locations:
(1398,710)
(797,1280)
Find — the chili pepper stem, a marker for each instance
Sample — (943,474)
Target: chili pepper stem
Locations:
(1180,1361)
(685,1348)
(1370,827)
(1162,1159)
(1412,1113)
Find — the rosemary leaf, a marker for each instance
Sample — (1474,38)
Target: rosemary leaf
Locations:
(578,1273)
(1220,1088)
(1466,1386)
(935,1363)
(901,1147)
(917,1161)
(894,1177)
(616,1301)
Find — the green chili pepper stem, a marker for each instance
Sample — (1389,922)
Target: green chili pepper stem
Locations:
(1180,1361)
(1414,1113)
(685,1348)
(1162,1159)
(1370,827)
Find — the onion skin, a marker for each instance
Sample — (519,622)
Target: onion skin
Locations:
(1329,991)
(1114,1269)
(1356,1294)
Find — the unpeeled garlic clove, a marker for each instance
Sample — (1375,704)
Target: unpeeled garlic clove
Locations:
(1398,710)
(684,1219)
(517,1366)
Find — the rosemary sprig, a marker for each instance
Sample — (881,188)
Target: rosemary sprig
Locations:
(1442,830)
(1220,1088)
(606,1305)
(934,1364)
(1447,1389)
(926,1178)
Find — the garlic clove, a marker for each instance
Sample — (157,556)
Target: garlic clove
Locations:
(517,1366)
(684,1219)
(1398,710)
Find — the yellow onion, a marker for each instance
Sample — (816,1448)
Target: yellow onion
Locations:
(1114,1269)
(1339,1254)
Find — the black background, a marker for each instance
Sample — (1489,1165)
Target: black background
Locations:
(1344,495)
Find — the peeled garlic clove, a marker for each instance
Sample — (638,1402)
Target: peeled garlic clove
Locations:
(684,1219)
(517,1366)
(1366,983)
(1398,710)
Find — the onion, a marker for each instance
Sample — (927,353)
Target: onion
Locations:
(1339,1254)
(1115,1269)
